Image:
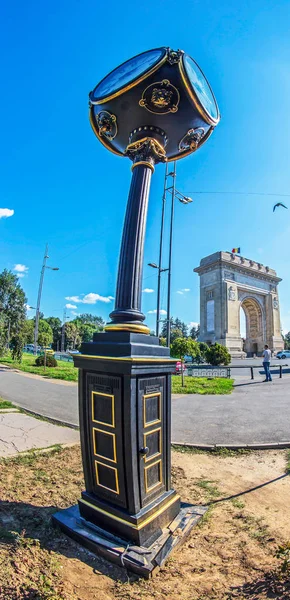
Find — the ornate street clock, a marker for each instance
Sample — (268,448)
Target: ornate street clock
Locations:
(156,107)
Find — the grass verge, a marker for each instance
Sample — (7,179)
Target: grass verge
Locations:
(5,403)
(64,370)
(202,385)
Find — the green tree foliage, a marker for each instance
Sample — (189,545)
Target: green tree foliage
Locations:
(88,318)
(73,335)
(287,341)
(194,332)
(17,343)
(28,331)
(218,355)
(55,324)
(45,335)
(182,347)
(13,307)
(177,329)
(87,331)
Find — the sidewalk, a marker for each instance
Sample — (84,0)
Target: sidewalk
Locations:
(20,432)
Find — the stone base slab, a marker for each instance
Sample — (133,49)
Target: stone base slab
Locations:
(143,561)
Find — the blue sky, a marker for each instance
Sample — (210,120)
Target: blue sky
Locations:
(66,189)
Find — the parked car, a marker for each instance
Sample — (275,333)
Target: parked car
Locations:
(283,354)
(178,367)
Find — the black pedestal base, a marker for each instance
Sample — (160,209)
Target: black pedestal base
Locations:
(143,561)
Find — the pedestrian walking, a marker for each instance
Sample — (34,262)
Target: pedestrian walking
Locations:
(266,363)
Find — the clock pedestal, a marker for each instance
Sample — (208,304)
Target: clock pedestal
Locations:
(129,512)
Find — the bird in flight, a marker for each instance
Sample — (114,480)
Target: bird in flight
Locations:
(279,204)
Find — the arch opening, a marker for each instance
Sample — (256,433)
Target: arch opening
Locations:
(251,326)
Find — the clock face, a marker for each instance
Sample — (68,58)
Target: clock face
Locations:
(127,72)
(200,86)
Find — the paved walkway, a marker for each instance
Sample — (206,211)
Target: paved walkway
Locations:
(19,432)
(255,412)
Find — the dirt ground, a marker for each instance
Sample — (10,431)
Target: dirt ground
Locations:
(229,555)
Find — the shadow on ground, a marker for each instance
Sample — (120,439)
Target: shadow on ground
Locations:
(268,586)
(20,521)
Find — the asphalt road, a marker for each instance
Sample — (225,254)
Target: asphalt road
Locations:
(57,400)
(254,413)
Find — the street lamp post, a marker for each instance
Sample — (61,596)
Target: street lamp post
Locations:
(175,194)
(156,107)
(44,266)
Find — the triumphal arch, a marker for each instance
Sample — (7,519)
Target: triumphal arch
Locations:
(229,283)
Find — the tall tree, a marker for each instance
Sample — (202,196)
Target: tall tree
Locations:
(55,324)
(88,318)
(73,334)
(13,306)
(45,334)
(177,329)
(28,331)
(194,332)
(287,340)
(182,347)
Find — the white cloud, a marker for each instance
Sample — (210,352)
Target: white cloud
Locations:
(74,313)
(70,306)
(90,298)
(186,290)
(28,307)
(20,268)
(147,291)
(193,324)
(180,292)
(111,297)
(6,212)
(20,274)
(153,312)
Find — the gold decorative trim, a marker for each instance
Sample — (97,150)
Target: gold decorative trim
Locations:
(103,119)
(113,409)
(189,142)
(102,139)
(129,359)
(145,435)
(117,490)
(151,145)
(202,111)
(143,162)
(134,327)
(152,487)
(136,527)
(149,423)
(187,152)
(160,103)
(133,83)
(96,453)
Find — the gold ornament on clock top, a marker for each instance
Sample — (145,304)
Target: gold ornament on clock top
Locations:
(160,98)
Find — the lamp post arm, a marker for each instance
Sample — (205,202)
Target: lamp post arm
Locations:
(170,256)
(39,298)
(160,270)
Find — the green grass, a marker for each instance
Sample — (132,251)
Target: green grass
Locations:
(287,469)
(64,370)
(202,385)
(223,452)
(5,404)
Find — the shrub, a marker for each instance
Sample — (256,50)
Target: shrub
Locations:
(50,361)
(218,355)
